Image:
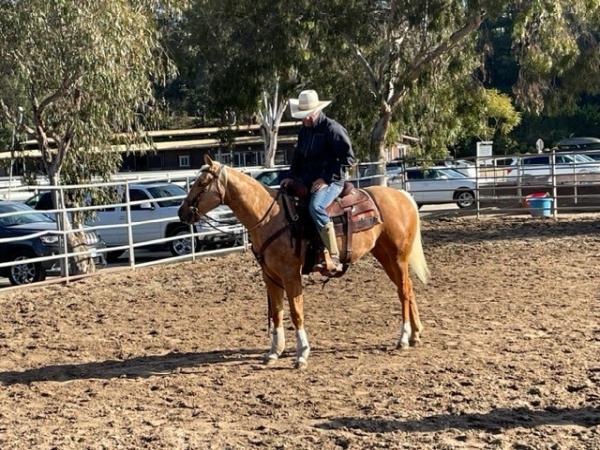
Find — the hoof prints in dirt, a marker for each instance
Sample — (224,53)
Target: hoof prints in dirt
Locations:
(170,357)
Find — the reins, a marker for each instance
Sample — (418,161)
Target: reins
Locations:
(257,224)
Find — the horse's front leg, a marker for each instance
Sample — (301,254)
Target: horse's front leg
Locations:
(276,315)
(293,289)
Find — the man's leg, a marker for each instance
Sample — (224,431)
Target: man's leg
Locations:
(319,202)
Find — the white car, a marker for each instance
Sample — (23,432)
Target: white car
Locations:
(436,185)
(565,164)
(467,168)
(153,208)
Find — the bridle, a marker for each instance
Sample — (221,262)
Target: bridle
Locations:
(216,176)
(205,188)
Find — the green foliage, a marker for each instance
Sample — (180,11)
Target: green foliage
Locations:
(501,114)
(394,67)
(558,51)
(233,50)
(82,71)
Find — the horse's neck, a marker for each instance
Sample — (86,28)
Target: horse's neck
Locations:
(248,199)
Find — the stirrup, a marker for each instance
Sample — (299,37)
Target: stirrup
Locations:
(320,266)
(336,266)
(332,268)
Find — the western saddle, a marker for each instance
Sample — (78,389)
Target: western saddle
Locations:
(352,212)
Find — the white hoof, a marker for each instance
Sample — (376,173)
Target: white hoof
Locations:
(271,358)
(401,345)
(405,335)
(301,364)
(302,349)
(277,346)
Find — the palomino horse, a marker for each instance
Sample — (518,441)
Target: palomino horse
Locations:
(396,243)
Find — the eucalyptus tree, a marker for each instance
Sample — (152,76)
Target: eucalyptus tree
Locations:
(415,55)
(557,48)
(270,115)
(250,55)
(82,71)
(404,47)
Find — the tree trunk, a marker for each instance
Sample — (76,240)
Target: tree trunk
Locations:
(76,241)
(271,146)
(378,136)
(270,119)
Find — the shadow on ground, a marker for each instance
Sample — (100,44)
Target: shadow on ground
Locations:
(494,421)
(141,367)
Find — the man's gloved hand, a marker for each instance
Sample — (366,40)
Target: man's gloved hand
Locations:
(285,183)
(317,185)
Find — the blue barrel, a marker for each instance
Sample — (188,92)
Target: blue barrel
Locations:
(540,207)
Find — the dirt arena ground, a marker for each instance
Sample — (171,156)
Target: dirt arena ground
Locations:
(169,357)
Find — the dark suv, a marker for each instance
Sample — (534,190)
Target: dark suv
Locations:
(33,238)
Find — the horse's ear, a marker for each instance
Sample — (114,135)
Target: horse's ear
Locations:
(207,159)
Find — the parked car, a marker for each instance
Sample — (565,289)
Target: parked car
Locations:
(393,172)
(578,144)
(272,177)
(467,168)
(436,185)
(30,223)
(565,164)
(594,154)
(152,209)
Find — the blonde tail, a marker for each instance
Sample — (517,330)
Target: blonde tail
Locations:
(416,258)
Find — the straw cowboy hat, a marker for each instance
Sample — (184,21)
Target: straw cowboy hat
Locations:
(306,104)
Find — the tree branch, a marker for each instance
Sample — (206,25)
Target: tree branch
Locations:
(371,77)
(6,113)
(11,119)
(67,81)
(426,58)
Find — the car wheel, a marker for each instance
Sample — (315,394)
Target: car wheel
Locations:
(26,273)
(183,246)
(114,255)
(465,199)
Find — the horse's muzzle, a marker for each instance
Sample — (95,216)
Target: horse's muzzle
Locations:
(186,214)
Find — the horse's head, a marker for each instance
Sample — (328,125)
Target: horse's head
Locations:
(207,192)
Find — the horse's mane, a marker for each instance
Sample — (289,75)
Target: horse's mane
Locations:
(249,178)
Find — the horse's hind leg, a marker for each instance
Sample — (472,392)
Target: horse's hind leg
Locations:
(396,267)
(276,315)
(415,320)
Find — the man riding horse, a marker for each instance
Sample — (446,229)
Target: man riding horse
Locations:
(323,153)
(320,161)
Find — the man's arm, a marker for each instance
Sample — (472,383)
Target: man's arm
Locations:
(343,153)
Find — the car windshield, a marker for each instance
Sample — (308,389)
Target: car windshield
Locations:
(583,159)
(272,177)
(452,173)
(168,190)
(22,219)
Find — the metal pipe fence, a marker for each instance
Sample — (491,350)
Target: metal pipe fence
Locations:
(476,186)
(62,254)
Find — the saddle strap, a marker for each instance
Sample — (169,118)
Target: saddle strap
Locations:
(260,253)
(349,232)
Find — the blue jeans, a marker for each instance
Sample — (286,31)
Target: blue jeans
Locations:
(320,200)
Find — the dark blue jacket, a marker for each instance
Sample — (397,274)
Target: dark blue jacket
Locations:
(323,151)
